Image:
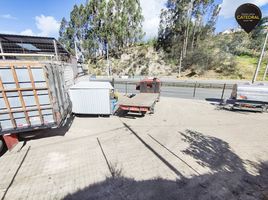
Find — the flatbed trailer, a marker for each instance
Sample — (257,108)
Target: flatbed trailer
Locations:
(140,103)
(248,97)
(245,105)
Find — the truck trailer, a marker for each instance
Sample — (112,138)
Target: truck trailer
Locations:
(35,75)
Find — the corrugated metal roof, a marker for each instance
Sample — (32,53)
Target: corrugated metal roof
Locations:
(92,85)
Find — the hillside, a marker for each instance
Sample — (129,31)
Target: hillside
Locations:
(144,60)
(135,61)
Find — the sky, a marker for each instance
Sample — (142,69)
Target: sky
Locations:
(33,17)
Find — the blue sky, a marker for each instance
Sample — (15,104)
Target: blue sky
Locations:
(33,17)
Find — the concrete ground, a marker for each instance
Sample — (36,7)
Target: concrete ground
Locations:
(188,149)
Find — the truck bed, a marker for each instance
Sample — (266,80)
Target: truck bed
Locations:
(139,100)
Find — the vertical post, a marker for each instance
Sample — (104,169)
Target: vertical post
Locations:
(112,82)
(76,52)
(223,90)
(265,73)
(2,51)
(259,63)
(180,65)
(56,49)
(195,89)
(126,88)
(107,57)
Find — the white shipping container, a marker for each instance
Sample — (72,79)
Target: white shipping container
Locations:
(91,98)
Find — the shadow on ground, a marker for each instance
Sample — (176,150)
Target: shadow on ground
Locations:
(45,133)
(229,179)
(129,115)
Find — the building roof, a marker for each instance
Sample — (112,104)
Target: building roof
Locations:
(92,85)
(31,45)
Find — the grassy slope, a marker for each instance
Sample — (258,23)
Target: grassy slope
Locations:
(247,65)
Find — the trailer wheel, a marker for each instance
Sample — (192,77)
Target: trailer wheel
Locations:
(265,108)
(2,146)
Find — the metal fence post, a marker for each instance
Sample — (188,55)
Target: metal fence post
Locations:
(194,89)
(223,91)
(112,82)
(126,88)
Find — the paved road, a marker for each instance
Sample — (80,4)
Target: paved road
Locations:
(179,92)
(203,90)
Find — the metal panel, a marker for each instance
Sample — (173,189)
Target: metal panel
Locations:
(91,101)
(68,76)
(254,92)
(32,96)
(75,70)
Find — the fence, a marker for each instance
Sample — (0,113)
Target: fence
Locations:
(191,91)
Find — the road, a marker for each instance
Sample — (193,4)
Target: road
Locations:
(181,89)
(169,81)
(179,92)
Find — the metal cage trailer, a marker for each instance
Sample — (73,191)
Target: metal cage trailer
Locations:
(33,95)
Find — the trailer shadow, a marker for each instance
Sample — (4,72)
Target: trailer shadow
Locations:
(214,101)
(91,116)
(128,115)
(229,178)
(45,133)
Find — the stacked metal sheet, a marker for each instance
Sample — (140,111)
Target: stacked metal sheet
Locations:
(251,92)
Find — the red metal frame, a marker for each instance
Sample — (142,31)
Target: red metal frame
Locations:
(134,108)
(149,83)
(150,80)
(11,140)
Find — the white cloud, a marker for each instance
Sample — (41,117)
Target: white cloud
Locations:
(228,7)
(47,25)
(151,10)
(7,16)
(8,32)
(27,32)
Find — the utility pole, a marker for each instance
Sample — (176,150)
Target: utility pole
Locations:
(259,63)
(107,48)
(180,65)
(76,51)
(265,73)
(107,56)
(56,49)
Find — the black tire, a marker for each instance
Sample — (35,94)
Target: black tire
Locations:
(3,147)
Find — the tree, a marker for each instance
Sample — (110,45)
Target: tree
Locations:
(183,21)
(100,24)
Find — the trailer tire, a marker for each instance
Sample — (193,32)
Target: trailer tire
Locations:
(3,147)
